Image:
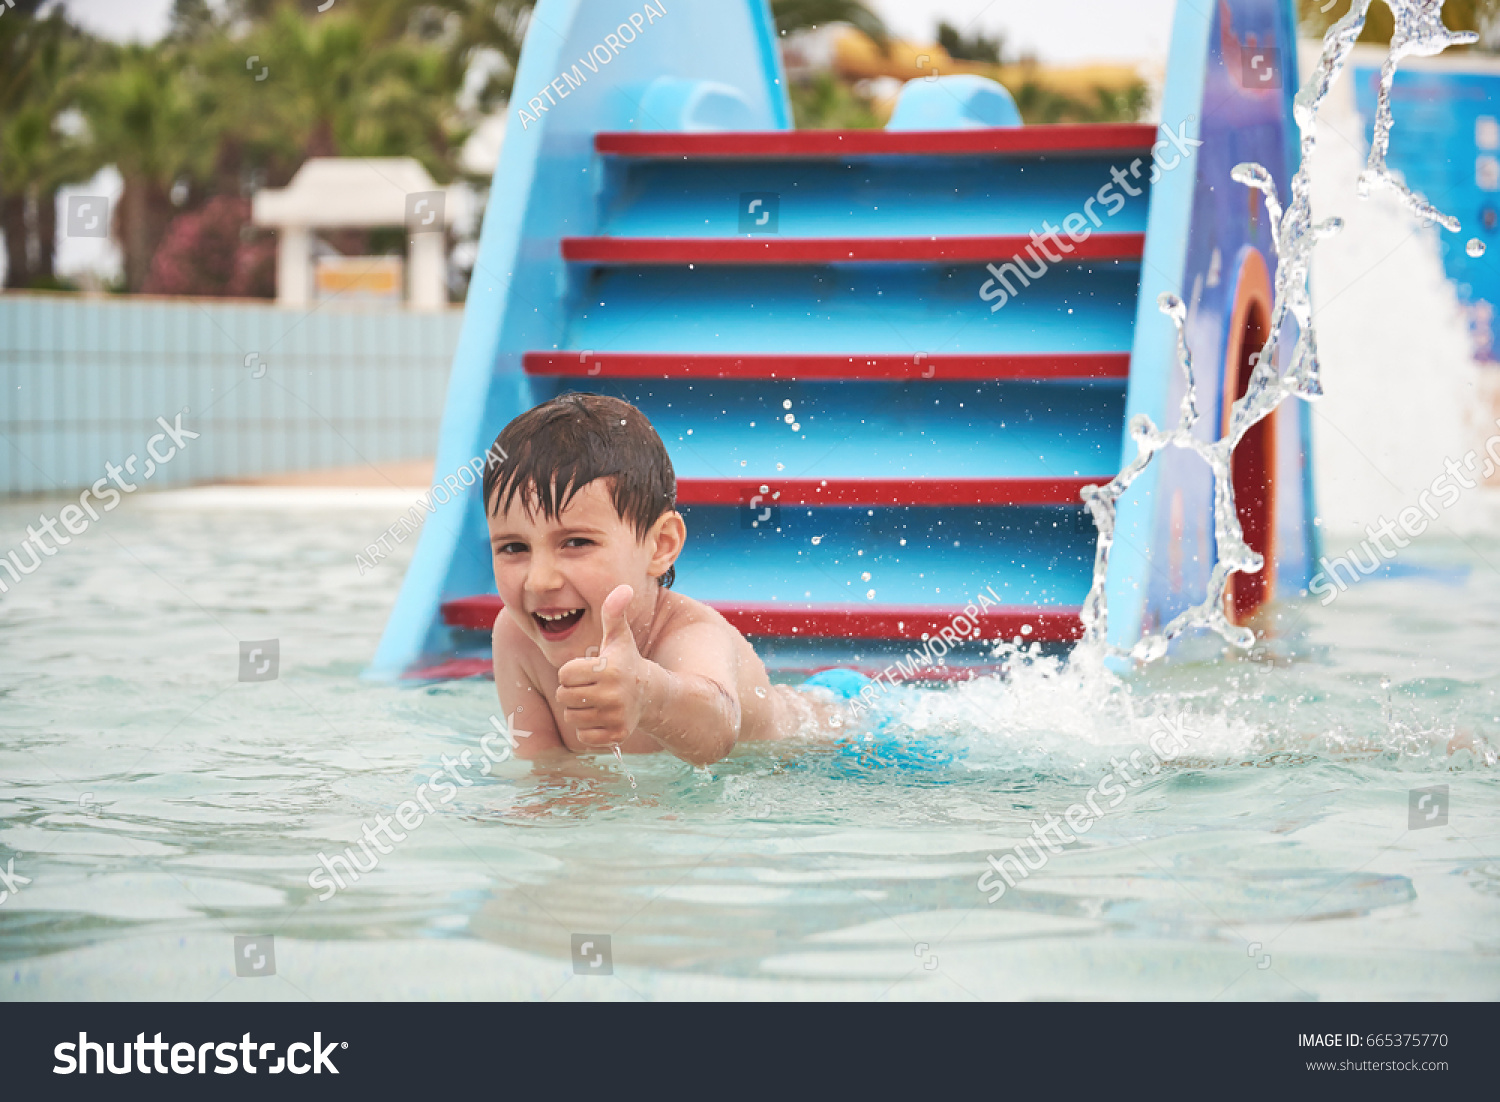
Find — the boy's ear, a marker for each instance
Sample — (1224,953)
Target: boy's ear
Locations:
(665,539)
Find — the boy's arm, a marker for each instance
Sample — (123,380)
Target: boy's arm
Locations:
(523,705)
(690,701)
(687,700)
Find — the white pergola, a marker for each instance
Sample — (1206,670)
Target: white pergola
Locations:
(358,192)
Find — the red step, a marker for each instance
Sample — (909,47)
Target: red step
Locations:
(452,669)
(1050,625)
(802,365)
(1047,625)
(885,491)
(834,250)
(1012,141)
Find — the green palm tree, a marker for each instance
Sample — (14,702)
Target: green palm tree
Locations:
(465,31)
(153,115)
(484,25)
(333,88)
(192,21)
(39,63)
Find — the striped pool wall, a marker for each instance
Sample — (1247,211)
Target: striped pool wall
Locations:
(268,389)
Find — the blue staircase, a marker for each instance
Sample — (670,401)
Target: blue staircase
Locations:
(863,447)
(871,430)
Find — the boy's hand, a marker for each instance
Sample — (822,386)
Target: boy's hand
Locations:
(601,695)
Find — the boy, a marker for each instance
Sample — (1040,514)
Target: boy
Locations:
(593,650)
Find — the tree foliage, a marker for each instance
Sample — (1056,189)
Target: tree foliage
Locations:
(796,15)
(186,119)
(240,92)
(40,60)
(974,48)
(826,103)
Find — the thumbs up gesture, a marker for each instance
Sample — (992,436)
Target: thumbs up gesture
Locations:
(601,694)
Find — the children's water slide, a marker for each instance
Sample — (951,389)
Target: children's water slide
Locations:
(884,362)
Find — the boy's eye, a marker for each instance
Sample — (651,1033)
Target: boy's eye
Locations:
(512,548)
(577,541)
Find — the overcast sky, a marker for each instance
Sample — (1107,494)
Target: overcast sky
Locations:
(1063,31)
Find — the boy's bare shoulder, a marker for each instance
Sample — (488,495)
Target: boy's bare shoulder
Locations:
(681,607)
(684,620)
(507,631)
(512,645)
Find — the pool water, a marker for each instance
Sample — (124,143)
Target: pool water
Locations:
(158,807)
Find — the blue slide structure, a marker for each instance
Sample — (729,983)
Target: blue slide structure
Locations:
(884,362)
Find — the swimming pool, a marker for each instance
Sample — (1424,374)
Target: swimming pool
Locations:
(159,808)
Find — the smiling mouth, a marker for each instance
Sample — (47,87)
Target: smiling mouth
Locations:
(554,627)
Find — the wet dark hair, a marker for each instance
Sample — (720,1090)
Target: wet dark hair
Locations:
(559,447)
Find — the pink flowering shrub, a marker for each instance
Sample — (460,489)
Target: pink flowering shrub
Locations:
(213,251)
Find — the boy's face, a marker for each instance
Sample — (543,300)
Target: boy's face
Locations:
(553,575)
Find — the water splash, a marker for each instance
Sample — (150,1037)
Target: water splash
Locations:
(1418,31)
(620,758)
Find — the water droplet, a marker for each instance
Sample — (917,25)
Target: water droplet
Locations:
(865,576)
(1475,247)
(760,692)
(787,404)
(817,540)
(781,466)
(871,595)
(789,418)
(796,427)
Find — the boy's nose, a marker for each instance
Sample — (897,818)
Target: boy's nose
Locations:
(543,576)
